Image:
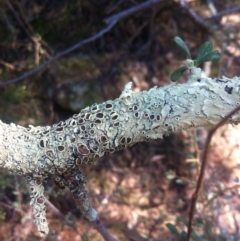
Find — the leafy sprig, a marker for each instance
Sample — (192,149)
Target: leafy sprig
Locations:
(205,54)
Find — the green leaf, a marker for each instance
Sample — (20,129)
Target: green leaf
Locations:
(195,237)
(179,181)
(177,73)
(195,62)
(199,222)
(183,236)
(204,50)
(172,228)
(183,220)
(182,45)
(209,57)
(199,239)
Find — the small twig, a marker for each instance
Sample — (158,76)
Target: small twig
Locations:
(36,40)
(224,12)
(131,11)
(19,194)
(17,210)
(29,32)
(68,222)
(198,19)
(7,65)
(59,55)
(220,193)
(204,162)
(19,20)
(97,224)
(111,21)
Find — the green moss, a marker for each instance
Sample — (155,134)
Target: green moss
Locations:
(78,67)
(19,105)
(15,94)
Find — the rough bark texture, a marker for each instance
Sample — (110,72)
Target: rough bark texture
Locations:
(56,152)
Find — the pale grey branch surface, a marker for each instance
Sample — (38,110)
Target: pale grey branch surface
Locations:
(56,152)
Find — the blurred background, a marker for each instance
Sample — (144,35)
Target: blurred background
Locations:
(136,191)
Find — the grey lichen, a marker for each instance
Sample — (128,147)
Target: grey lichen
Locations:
(38,204)
(58,151)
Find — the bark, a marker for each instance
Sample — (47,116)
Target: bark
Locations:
(56,152)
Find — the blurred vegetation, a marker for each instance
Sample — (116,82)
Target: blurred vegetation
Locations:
(139,190)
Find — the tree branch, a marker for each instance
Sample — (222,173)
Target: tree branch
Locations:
(98,225)
(58,151)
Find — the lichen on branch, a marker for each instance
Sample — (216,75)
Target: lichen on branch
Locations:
(58,151)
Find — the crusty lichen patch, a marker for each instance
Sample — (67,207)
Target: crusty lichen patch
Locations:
(58,151)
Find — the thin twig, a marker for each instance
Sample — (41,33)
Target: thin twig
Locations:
(111,21)
(224,12)
(59,55)
(11,206)
(19,21)
(198,19)
(7,65)
(68,222)
(37,40)
(204,162)
(97,224)
(132,10)
(220,193)
(29,33)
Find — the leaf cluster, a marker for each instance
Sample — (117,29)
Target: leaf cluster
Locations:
(205,54)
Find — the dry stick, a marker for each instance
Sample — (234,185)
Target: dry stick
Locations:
(224,12)
(20,21)
(220,193)
(37,39)
(204,162)
(132,10)
(97,224)
(194,15)
(7,65)
(111,21)
(68,222)
(202,21)
(29,33)
(59,55)
(16,209)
